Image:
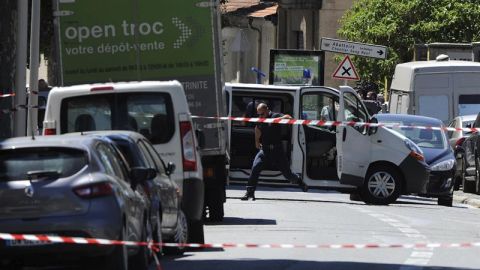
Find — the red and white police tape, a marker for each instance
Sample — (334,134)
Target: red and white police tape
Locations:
(79,241)
(321,123)
(7,95)
(151,245)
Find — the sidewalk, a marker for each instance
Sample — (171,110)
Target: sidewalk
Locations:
(466,198)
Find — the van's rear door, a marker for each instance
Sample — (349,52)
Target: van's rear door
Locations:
(353,141)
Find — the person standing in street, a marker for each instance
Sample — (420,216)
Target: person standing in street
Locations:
(268,142)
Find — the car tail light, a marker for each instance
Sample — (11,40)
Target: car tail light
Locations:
(460,141)
(188,147)
(94,191)
(101,88)
(50,131)
(49,128)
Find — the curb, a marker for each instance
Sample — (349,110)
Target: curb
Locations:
(467,200)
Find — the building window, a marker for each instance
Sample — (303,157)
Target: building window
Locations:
(300,40)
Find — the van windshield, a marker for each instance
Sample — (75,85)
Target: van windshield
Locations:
(150,114)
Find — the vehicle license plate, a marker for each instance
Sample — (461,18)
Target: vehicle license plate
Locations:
(27,243)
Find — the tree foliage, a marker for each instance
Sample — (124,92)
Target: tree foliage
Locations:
(399,24)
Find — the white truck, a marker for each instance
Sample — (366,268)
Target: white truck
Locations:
(152,40)
(442,89)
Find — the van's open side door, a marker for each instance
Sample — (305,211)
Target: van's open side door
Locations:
(317,143)
(353,142)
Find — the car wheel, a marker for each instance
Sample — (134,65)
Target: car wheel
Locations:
(446,201)
(180,237)
(382,185)
(140,260)
(118,260)
(469,186)
(196,233)
(157,237)
(477,178)
(460,177)
(472,186)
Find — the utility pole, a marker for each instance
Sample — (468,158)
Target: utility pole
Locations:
(20,115)
(32,122)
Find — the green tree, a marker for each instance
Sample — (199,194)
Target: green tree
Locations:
(399,24)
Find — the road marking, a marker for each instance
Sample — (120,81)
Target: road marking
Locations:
(420,256)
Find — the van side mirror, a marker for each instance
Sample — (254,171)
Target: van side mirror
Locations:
(373,130)
(170,168)
(200,137)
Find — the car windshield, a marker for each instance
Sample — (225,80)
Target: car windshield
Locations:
(425,138)
(22,164)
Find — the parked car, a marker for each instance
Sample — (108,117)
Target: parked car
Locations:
(436,150)
(157,110)
(71,185)
(456,139)
(163,192)
(471,177)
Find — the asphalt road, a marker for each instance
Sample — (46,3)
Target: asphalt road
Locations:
(288,216)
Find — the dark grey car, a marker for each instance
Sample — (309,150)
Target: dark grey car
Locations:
(163,192)
(71,185)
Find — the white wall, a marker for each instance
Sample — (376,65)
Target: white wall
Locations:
(243,49)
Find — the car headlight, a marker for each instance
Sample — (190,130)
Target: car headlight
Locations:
(416,152)
(445,165)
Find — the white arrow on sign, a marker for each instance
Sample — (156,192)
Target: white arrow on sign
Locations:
(186,32)
(346,70)
(355,48)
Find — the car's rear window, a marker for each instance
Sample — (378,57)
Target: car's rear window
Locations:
(19,164)
(150,114)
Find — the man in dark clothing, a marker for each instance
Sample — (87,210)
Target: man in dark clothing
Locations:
(373,106)
(268,141)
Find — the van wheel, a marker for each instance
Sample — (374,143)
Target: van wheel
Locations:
(196,233)
(215,205)
(382,186)
(180,237)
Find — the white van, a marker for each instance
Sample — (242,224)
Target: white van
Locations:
(439,89)
(379,163)
(157,110)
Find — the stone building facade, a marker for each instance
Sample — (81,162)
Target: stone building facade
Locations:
(253,27)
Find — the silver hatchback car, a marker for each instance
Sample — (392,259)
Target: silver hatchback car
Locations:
(71,185)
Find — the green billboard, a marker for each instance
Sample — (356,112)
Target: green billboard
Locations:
(127,40)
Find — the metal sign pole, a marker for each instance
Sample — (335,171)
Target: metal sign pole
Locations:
(34,66)
(20,116)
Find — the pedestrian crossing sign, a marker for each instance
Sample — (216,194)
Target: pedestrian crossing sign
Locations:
(346,70)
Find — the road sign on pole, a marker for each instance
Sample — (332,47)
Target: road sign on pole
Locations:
(346,70)
(355,48)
